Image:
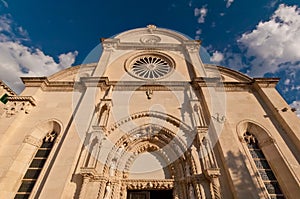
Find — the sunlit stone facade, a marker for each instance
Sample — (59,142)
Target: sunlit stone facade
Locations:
(149,120)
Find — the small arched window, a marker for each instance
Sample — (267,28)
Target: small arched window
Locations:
(263,167)
(36,166)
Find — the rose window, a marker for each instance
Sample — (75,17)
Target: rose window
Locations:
(150,67)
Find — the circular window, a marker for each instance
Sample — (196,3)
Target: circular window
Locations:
(150,66)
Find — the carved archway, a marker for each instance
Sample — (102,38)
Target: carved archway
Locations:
(150,138)
(157,139)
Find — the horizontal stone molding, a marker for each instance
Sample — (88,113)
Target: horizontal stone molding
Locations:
(29,139)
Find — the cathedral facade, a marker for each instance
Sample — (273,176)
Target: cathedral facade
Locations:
(149,120)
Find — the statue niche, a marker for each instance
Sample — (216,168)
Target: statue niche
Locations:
(103,115)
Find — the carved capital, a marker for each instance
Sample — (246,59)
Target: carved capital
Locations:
(193,46)
(212,173)
(87,172)
(110,44)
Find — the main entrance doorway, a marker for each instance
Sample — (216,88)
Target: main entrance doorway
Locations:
(150,194)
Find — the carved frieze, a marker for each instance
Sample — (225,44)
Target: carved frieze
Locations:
(150,39)
(149,184)
(18,104)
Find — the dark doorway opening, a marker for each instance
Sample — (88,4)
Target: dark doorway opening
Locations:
(150,194)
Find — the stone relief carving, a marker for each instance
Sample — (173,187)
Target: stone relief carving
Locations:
(109,45)
(149,93)
(150,39)
(193,48)
(154,184)
(107,191)
(18,104)
(50,137)
(219,117)
(113,167)
(151,28)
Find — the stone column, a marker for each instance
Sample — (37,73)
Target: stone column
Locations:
(86,179)
(102,188)
(213,176)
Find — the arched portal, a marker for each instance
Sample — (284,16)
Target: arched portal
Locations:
(150,159)
(147,153)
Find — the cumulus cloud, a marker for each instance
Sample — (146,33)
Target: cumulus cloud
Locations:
(5,24)
(201,13)
(217,57)
(274,42)
(228,3)
(18,59)
(296,105)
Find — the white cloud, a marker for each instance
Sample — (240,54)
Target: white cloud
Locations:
(217,57)
(201,12)
(198,32)
(272,3)
(229,2)
(274,42)
(5,23)
(287,82)
(296,105)
(18,59)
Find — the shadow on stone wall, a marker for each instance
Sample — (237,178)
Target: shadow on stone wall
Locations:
(243,181)
(77,179)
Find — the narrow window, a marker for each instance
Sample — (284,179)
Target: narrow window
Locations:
(263,167)
(36,167)
(4,99)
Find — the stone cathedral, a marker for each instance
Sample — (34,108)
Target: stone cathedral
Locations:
(150,120)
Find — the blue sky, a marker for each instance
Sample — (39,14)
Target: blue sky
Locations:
(259,38)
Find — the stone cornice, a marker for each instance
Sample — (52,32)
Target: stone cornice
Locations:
(154,86)
(7,88)
(34,81)
(266,82)
(235,86)
(47,85)
(104,83)
(116,44)
(29,99)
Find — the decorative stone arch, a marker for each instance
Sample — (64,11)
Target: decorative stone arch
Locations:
(122,135)
(149,30)
(46,131)
(43,128)
(272,153)
(134,144)
(156,114)
(263,136)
